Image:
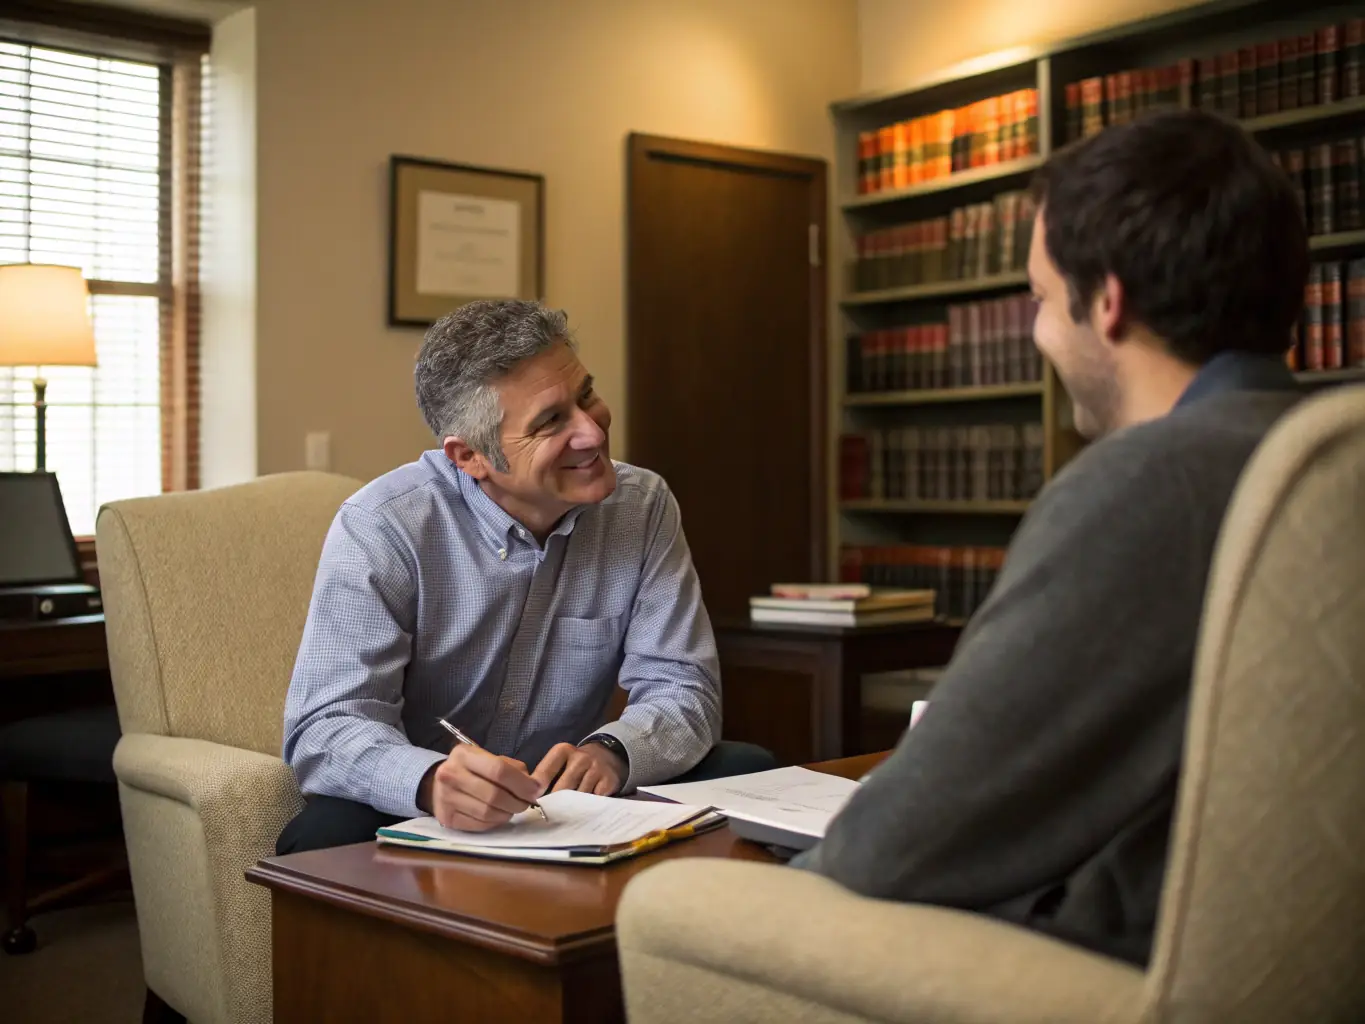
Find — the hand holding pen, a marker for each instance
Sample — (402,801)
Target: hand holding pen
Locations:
(473,790)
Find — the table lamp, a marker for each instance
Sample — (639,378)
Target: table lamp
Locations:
(44,321)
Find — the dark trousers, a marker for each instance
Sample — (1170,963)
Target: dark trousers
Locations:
(327,821)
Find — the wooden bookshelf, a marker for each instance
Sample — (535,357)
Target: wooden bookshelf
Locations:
(1325,378)
(939,290)
(1325,115)
(938,396)
(969,508)
(961,179)
(1194,32)
(1338,240)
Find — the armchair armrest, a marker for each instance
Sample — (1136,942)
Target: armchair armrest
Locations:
(196,815)
(219,782)
(770,941)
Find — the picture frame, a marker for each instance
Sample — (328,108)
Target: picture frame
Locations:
(458,233)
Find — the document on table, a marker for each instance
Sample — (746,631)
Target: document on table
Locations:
(795,799)
(575,820)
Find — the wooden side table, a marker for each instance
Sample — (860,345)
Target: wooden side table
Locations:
(389,935)
(797,690)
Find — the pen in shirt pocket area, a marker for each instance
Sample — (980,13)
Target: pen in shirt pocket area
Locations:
(466,741)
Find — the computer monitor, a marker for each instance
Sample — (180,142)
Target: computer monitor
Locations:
(36,545)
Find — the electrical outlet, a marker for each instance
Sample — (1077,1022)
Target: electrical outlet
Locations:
(317,450)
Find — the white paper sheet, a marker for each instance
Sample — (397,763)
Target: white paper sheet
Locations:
(576,819)
(797,799)
(467,245)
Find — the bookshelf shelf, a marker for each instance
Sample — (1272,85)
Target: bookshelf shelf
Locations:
(937,290)
(1338,240)
(1319,115)
(996,172)
(979,508)
(1347,375)
(936,396)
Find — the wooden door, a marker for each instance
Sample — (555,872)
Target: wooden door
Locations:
(726,356)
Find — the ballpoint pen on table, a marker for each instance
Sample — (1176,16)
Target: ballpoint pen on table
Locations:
(462,738)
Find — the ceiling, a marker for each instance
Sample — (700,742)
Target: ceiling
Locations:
(196,10)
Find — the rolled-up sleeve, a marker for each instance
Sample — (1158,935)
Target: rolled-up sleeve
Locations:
(671,670)
(343,734)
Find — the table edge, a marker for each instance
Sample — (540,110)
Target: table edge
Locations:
(579,947)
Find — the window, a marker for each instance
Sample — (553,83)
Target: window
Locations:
(89,178)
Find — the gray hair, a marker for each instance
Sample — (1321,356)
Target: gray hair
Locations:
(462,356)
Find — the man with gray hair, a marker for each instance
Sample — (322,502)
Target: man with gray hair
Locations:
(507,582)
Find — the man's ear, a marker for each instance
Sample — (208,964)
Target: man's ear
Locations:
(466,458)
(1109,310)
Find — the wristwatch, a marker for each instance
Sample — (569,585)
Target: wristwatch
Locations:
(609,741)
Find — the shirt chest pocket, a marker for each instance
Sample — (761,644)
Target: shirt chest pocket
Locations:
(582,651)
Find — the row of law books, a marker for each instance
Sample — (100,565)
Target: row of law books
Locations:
(974,241)
(983,343)
(1327,180)
(1308,69)
(922,149)
(1093,103)
(1331,332)
(841,604)
(960,577)
(987,462)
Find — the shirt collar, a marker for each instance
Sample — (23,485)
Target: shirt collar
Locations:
(1238,371)
(497,526)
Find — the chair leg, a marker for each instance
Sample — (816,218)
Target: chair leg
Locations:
(19,937)
(155,1011)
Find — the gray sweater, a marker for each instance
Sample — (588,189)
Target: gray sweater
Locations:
(1039,785)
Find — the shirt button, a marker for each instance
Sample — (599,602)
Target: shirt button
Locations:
(521,534)
(502,553)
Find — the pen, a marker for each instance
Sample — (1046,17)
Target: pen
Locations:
(462,738)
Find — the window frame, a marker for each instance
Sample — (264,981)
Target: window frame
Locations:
(179,48)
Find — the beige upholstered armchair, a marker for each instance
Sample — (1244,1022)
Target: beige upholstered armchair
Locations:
(1263,914)
(205,595)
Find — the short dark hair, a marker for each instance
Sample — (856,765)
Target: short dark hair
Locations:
(1193,218)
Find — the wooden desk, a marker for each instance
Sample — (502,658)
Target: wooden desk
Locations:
(52,647)
(32,653)
(797,690)
(384,934)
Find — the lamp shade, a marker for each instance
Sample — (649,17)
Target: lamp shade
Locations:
(44,316)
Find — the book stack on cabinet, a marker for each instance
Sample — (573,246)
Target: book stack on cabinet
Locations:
(948,423)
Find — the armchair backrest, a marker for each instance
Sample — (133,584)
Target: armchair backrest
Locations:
(205,594)
(1263,912)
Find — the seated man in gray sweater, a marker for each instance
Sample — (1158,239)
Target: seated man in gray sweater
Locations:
(1168,262)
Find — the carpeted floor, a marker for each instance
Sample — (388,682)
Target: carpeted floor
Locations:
(87,968)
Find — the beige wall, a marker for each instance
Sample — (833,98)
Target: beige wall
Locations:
(227,415)
(541,85)
(904,40)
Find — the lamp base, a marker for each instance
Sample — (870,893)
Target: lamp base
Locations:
(40,411)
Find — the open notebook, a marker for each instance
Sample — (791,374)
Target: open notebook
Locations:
(582,829)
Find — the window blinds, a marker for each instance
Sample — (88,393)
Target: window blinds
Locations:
(84,172)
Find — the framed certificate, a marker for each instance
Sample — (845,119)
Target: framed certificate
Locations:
(459,233)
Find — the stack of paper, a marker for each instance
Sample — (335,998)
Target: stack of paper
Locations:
(788,807)
(581,829)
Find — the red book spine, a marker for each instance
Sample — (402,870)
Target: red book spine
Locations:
(1350,70)
(1308,70)
(1329,46)
(851,564)
(1289,73)
(1245,76)
(1333,343)
(1312,333)
(1073,111)
(1355,314)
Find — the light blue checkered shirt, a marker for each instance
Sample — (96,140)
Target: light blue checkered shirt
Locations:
(431,600)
